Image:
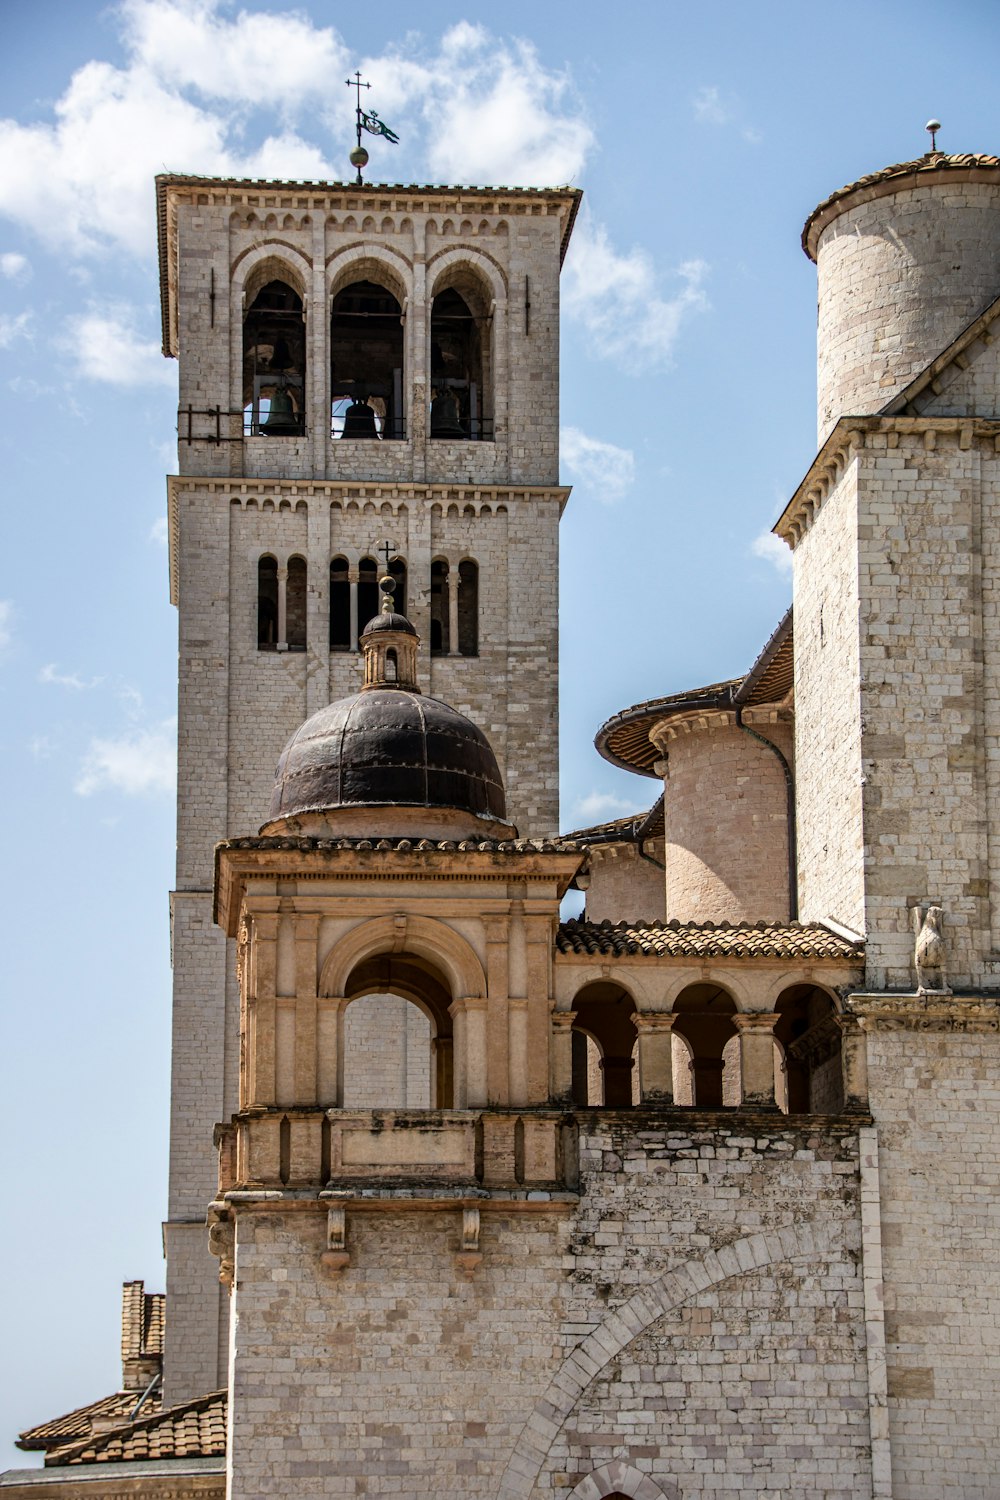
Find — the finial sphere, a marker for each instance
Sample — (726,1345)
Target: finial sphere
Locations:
(932,126)
(359,157)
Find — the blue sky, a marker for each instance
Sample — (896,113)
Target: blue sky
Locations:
(702,135)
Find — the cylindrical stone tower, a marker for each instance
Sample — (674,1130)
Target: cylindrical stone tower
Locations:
(907,257)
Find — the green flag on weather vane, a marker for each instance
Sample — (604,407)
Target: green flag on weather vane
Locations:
(370,121)
(366,120)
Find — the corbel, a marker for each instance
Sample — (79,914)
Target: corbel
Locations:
(470,1255)
(222,1244)
(336,1257)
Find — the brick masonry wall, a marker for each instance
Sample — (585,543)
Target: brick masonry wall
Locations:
(935,1097)
(899,278)
(624,886)
(711,1274)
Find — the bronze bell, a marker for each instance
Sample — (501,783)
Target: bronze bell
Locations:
(359,421)
(281,419)
(445,419)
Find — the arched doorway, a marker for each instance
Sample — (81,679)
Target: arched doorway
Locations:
(396,1043)
(704,1022)
(604,1040)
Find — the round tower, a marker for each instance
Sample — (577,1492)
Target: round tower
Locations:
(907,257)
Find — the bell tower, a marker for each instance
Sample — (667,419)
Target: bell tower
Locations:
(368,382)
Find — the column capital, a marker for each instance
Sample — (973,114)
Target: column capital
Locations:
(756,1021)
(562,1020)
(656,1020)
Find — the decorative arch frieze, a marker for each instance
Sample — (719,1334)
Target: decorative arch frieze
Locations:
(401,933)
(644,1308)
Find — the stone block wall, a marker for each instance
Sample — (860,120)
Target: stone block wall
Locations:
(624,887)
(697,1316)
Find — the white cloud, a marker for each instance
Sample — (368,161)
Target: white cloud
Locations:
(158,531)
(14,327)
(6,621)
(15,267)
(603,807)
(602,467)
(107,347)
(51,675)
(138,763)
(773,550)
(199,86)
(619,300)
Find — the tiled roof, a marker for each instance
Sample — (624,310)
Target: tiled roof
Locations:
(78,1424)
(934,163)
(648,825)
(404,846)
(793,940)
(143,1315)
(196,1429)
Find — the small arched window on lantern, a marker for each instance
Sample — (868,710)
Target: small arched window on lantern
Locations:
(440,612)
(369,600)
(461,402)
(340,605)
(391,666)
(274,363)
(366,363)
(267,604)
(468,608)
(295,604)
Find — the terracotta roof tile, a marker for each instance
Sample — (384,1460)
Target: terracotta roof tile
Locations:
(196,1429)
(935,162)
(78,1424)
(707,940)
(404,846)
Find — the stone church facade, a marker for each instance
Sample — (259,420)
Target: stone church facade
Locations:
(692,1197)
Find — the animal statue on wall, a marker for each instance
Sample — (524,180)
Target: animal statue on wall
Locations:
(929,953)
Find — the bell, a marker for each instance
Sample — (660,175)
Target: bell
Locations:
(445,419)
(281,419)
(359,421)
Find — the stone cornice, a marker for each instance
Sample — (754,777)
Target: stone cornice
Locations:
(850,437)
(341,490)
(705,722)
(928,1012)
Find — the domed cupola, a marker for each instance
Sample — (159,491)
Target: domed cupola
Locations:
(389,760)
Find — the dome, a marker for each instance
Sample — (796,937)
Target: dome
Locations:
(391,748)
(388,621)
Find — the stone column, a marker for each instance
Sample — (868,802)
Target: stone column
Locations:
(756,1034)
(283,608)
(453,587)
(656,1074)
(562,1056)
(352,580)
(853,1062)
(306,928)
(474,1047)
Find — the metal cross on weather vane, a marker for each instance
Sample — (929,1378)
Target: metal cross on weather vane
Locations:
(366,120)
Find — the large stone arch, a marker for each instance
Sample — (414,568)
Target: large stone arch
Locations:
(444,264)
(363,261)
(751,1253)
(274,260)
(400,933)
(619,1478)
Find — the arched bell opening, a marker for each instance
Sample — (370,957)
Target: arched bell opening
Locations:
(461,401)
(267,603)
(604,1017)
(704,1021)
(340,605)
(440,608)
(274,362)
(366,364)
(811,1080)
(397,1044)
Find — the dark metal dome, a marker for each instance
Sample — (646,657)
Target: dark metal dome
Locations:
(388,622)
(388,747)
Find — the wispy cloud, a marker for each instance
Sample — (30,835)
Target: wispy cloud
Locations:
(140,762)
(158,531)
(602,468)
(6,623)
(603,807)
(107,347)
(712,107)
(14,326)
(14,267)
(51,675)
(773,550)
(621,301)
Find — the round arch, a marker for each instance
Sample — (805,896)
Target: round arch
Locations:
(620,1478)
(365,262)
(422,936)
(276,260)
(478,266)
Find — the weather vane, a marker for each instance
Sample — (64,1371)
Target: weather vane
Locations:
(366,120)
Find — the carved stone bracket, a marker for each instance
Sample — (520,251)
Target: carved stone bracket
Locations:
(470,1255)
(336,1257)
(222,1244)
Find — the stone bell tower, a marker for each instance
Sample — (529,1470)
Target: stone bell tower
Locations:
(368,379)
